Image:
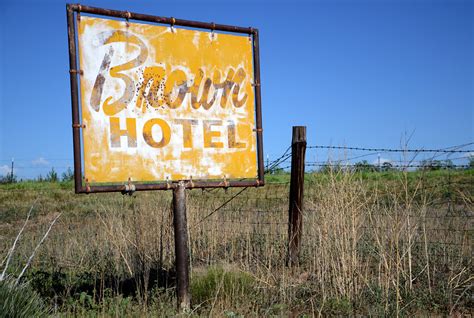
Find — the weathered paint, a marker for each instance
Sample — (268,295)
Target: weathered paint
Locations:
(165,103)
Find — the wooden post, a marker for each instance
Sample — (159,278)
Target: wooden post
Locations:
(181,247)
(295,222)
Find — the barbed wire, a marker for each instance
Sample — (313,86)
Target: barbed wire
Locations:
(286,157)
(421,150)
(423,161)
(375,167)
(221,206)
(23,159)
(43,167)
(361,165)
(278,161)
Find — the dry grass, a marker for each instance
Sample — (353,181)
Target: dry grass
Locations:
(370,247)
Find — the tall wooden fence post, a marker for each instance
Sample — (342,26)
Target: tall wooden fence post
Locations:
(181,247)
(295,222)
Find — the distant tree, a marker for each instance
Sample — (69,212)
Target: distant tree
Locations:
(325,168)
(364,166)
(430,165)
(330,167)
(471,162)
(52,176)
(9,178)
(275,170)
(67,175)
(448,164)
(4,179)
(386,166)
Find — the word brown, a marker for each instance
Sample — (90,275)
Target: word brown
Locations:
(160,86)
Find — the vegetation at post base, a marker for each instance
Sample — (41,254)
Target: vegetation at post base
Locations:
(377,241)
(229,286)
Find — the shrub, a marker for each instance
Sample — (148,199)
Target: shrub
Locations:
(225,284)
(52,176)
(9,178)
(68,175)
(19,300)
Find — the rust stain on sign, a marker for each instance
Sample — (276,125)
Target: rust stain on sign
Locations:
(165,103)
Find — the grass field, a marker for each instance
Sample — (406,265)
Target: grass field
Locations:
(380,244)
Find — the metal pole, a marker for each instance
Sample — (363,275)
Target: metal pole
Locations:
(258,104)
(295,223)
(163,20)
(73,74)
(11,175)
(181,247)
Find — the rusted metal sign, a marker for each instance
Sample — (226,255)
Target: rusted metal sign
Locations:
(161,103)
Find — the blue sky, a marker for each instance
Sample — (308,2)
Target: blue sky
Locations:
(357,73)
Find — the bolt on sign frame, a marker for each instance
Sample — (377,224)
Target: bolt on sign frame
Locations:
(115,90)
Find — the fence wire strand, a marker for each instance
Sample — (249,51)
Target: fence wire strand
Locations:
(421,150)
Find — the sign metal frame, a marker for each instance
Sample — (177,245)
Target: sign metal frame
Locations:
(83,186)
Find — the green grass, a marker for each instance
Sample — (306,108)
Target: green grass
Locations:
(217,282)
(453,176)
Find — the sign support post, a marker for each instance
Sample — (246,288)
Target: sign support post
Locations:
(181,247)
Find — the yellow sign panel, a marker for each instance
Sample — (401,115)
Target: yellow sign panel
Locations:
(165,103)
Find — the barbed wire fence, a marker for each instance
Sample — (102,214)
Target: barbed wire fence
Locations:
(249,227)
(449,222)
(254,224)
